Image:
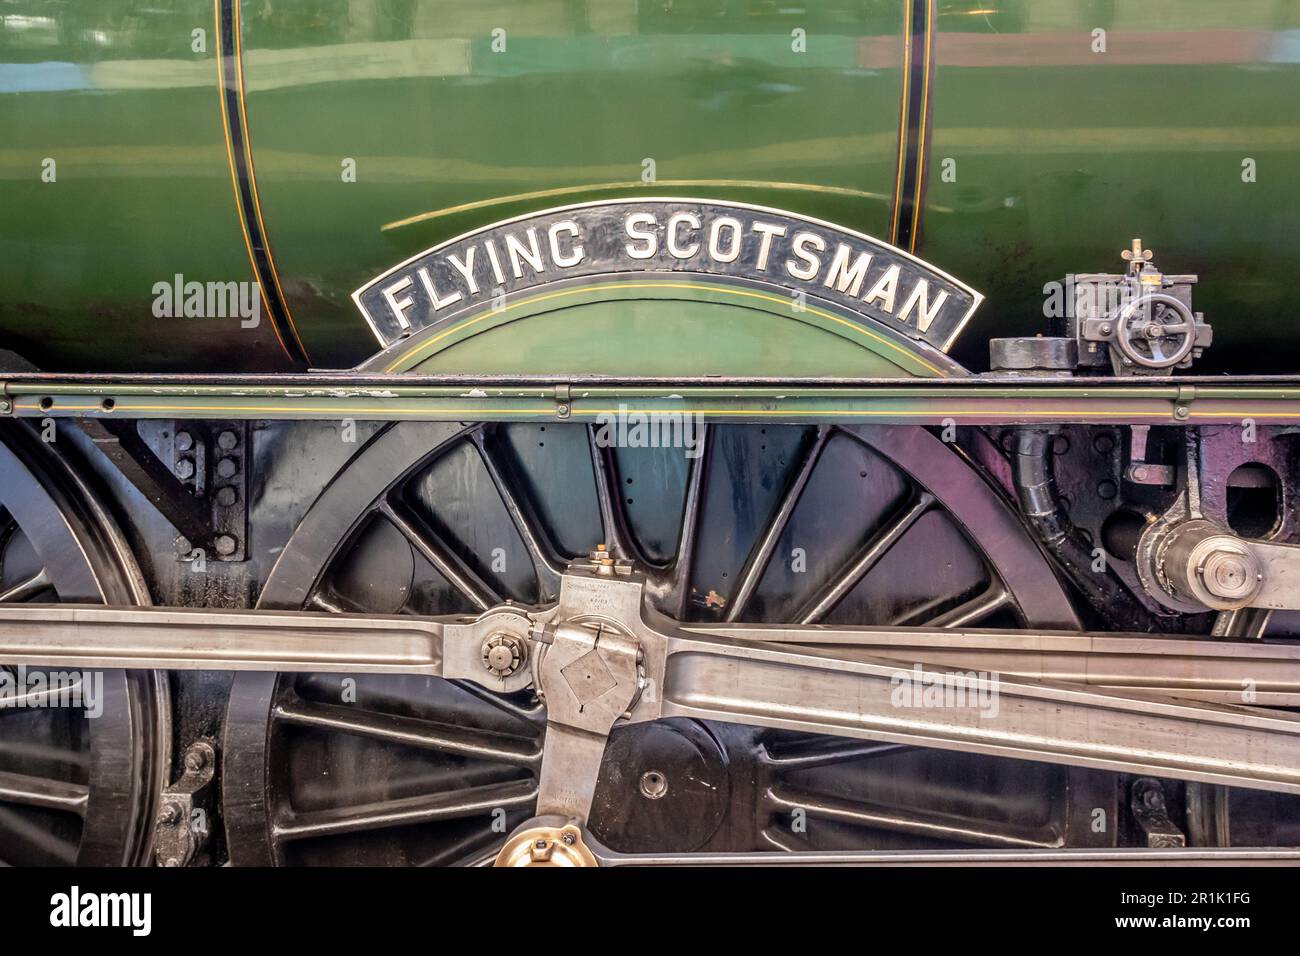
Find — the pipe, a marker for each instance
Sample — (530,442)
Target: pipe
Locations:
(1035,481)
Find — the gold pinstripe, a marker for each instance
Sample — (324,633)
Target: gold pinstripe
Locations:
(902,122)
(425,348)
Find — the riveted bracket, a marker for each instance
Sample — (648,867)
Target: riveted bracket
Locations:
(563,401)
(184,814)
(194,473)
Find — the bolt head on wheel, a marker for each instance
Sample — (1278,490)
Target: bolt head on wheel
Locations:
(504,654)
(548,842)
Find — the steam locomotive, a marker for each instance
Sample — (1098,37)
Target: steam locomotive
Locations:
(642,432)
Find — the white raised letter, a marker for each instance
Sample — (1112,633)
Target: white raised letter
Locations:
(560,259)
(531,253)
(884,289)
(767,230)
(928,313)
(715,246)
(399,306)
(465,268)
(438,302)
(844,278)
(648,236)
(812,263)
(691,220)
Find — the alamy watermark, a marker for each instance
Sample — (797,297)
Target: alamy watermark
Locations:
(23,689)
(75,909)
(920,688)
(625,428)
(1071,298)
(179,299)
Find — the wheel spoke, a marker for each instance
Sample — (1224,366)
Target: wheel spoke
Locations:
(43,792)
(319,602)
(467,849)
(425,808)
(823,752)
(14,827)
(411,731)
(425,541)
(692,513)
(613,514)
(975,609)
(779,839)
(535,714)
(835,590)
(23,590)
(784,799)
(8,527)
(546,565)
(45,697)
(761,554)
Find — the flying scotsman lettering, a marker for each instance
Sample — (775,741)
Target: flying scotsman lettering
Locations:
(695,241)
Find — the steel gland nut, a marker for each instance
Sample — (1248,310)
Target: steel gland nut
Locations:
(504,654)
(549,843)
(1218,570)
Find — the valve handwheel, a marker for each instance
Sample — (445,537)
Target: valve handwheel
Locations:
(1156,331)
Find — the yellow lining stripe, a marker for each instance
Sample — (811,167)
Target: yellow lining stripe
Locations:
(902,123)
(925,103)
(426,347)
(1011,411)
(234,178)
(638,185)
(252,177)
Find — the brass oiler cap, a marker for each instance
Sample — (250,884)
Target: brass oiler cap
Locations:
(546,844)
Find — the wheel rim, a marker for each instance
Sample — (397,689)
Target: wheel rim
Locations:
(74,789)
(778,485)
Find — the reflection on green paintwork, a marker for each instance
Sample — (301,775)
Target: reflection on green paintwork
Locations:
(459,114)
(142,189)
(1060,155)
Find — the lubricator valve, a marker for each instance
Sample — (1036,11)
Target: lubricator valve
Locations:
(1139,322)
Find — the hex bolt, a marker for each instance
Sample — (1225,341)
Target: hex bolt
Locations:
(1182,411)
(227,440)
(185,469)
(225,545)
(195,759)
(227,496)
(184,441)
(227,468)
(504,654)
(172,813)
